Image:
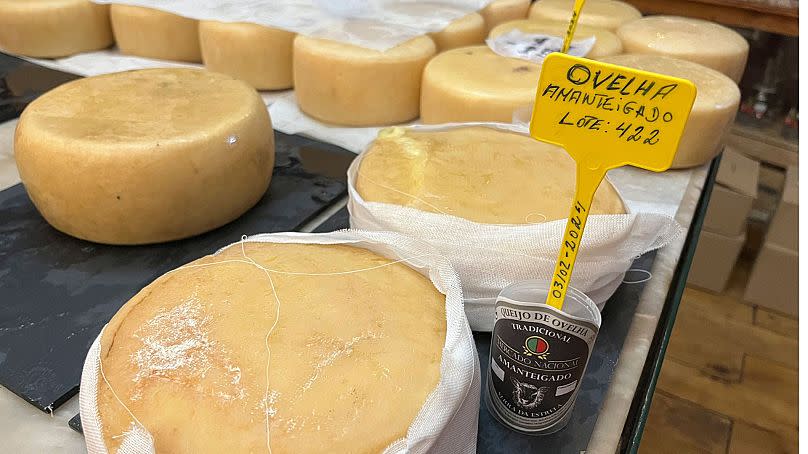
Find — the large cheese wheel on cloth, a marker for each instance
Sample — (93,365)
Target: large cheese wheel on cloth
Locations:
(476,84)
(209,361)
(465,31)
(713,112)
(696,40)
(608,14)
(53,28)
(606,42)
(145,156)
(147,32)
(260,56)
(478,173)
(350,85)
(499,11)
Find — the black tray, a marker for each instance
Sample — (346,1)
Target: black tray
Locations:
(57,292)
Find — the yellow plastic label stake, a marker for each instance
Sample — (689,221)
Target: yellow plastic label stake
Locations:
(605,116)
(576,13)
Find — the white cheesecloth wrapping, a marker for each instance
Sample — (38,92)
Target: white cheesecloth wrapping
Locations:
(375,24)
(447,422)
(490,257)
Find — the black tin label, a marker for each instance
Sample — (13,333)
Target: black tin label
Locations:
(538,357)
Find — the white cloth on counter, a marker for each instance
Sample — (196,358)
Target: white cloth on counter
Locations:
(375,24)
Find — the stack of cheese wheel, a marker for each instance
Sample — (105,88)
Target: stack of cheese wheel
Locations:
(699,41)
(499,11)
(608,14)
(145,156)
(152,33)
(350,85)
(315,343)
(476,84)
(606,42)
(53,28)
(466,31)
(717,99)
(260,56)
(476,173)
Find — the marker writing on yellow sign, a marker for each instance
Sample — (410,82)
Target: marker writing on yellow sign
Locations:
(621,94)
(604,116)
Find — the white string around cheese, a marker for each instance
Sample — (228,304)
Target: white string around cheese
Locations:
(249,261)
(415,197)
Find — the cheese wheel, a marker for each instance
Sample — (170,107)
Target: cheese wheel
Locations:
(53,28)
(476,84)
(211,362)
(465,31)
(478,173)
(608,14)
(606,42)
(145,156)
(500,11)
(152,33)
(717,99)
(260,56)
(699,41)
(350,85)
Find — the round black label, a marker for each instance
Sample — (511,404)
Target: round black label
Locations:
(538,356)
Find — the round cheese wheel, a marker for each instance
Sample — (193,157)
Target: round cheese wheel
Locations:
(476,84)
(478,173)
(145,156)
(350,85)
(152,33)
(209,361)
(465,31)
(699,41)
(500,11)
(608,14)
(53,28)
(606,42)
(717,99)
(260,56)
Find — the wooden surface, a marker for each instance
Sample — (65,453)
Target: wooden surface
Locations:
(729,381)
(737,13)
(763,145)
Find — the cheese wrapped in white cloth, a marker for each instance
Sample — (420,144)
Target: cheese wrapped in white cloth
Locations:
(495,201)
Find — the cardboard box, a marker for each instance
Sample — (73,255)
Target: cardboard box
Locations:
(733,195)
(774,282)
(714,260)
(784,231)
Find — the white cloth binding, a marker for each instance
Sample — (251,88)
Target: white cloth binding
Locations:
(447,422)
(490,257)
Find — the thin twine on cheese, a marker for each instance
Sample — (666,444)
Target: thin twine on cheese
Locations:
(249,261)
(415,197)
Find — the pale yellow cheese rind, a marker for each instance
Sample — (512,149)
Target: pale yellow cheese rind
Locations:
(349,85)
(476,173)
(145,156)
(53,28)
(699,41)
(465,31)
(717,99)
(151,33)
(608,14)
(476,84)
(260,56)
(210,361)
(499,11)
(606,42)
